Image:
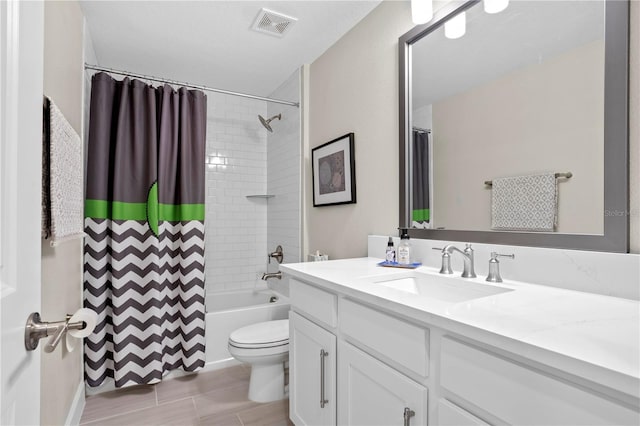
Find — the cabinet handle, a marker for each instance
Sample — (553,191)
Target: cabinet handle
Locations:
(323,354)
(408,413)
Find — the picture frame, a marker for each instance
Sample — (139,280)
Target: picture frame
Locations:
(333,170)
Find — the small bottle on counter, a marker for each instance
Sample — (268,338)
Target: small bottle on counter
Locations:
(404,248)
(390,254)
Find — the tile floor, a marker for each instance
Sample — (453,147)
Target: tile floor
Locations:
(212,398)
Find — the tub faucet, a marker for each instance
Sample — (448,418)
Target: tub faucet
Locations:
(467,254)
(268,275)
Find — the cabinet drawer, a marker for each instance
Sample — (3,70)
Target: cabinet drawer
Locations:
(521,395)
(319,304)
(450,414)
(405,343)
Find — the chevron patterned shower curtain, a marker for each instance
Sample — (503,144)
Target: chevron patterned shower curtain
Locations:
(144,220)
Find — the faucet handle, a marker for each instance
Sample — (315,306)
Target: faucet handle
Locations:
(495,255)
(277,255)
(446,264)
(494,267)
(437,248)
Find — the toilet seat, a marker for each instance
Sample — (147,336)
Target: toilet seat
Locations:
(265,346)
(263,335)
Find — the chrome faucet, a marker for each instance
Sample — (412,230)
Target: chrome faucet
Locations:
(467,255)
(268,275)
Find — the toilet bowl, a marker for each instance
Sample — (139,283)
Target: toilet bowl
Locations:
(265,346)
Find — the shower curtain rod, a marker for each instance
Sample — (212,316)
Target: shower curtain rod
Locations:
(189,85)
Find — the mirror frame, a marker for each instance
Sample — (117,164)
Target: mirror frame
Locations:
(616,143)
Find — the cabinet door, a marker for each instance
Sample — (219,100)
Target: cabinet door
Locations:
(372,393)
(450,414)
(312,373)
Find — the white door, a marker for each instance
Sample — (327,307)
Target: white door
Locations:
(21,71)
(310,373)
(372,393)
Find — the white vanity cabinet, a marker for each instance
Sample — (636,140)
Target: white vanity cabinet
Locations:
(518,393)
(312,373)
(369,391)
(312,356)
(372,393)
(450,414)
(384,362)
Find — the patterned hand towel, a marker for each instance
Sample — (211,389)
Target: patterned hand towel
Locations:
(62,198)
(525,203)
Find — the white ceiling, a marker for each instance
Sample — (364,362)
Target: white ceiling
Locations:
(211,42)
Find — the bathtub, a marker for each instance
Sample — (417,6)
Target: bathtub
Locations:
(228,311)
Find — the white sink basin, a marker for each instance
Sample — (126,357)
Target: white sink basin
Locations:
(444,288)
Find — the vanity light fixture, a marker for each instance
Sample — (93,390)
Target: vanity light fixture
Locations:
(421,11)
(456,26)
(495,6)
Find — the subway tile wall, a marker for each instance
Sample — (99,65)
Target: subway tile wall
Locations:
(235,226)
(283,177)
(244,159)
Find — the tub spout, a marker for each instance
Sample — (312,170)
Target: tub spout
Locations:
(268,275)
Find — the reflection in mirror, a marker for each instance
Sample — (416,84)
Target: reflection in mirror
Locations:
(523,97)
(524,102)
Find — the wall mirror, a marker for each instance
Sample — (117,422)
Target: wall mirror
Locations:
(540,87)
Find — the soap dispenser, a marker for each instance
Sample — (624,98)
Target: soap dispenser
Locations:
(390,254)
(404,248)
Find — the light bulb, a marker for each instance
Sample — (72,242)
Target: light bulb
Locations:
(456,26)
(495,6)
(421,11)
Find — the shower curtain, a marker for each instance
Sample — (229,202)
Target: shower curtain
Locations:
(421,213)
(144,224)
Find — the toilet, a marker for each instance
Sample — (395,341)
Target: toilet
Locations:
(265,346)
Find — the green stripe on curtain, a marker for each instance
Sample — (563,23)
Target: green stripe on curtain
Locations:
(117,210)
(421,215)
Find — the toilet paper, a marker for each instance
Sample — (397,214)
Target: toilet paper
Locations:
(90,318)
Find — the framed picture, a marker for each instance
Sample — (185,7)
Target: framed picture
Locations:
(333,169)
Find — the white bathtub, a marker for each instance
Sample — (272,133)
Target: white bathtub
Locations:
(228,311)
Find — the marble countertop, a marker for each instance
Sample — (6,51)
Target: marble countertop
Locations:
(588,335)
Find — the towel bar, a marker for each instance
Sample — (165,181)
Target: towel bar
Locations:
(567,175)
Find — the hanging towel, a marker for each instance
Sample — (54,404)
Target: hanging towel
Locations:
(525,203)
(62,198)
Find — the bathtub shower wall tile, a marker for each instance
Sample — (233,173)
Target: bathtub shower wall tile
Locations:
(283,176)
(236,235)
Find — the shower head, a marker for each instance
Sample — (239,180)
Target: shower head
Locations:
(265,123)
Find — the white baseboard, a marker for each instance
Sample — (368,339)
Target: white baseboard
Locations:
(77,407)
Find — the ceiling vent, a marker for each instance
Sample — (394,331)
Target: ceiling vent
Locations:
(273,23)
